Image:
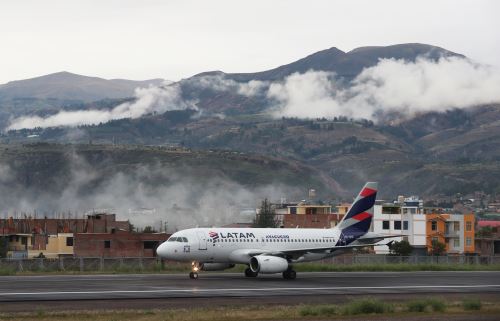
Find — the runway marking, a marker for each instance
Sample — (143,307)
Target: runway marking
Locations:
(255,289)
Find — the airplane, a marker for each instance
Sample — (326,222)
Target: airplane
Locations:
(273,250)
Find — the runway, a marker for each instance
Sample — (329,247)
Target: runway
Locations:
(232,285)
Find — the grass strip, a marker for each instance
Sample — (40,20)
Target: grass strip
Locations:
(357,307)
(303,267)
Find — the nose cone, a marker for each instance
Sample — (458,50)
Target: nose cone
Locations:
(162,250)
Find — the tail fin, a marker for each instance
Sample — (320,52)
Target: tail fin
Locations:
(358,219)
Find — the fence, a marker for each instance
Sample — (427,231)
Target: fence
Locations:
(82,264)
(93,264)
(389,259)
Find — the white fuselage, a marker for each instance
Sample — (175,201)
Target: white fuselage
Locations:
(235,245)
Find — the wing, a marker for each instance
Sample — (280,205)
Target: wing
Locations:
(243,256)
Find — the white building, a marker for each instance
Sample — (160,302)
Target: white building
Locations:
(405,218)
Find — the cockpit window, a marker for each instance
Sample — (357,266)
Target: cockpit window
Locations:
(178,239)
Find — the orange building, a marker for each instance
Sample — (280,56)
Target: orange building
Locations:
(455,231)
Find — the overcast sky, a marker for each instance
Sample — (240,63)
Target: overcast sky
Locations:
(141,39)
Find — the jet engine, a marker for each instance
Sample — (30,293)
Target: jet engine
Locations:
(216,266)
(268,264)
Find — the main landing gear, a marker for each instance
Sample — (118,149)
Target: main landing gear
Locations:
(290,274)
(249,273)
(194,273)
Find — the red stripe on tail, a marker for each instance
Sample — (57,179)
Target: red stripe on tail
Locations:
(361,216)
(367,192)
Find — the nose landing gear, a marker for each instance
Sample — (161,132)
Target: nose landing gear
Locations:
(195,267)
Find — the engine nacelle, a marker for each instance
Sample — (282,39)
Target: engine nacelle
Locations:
(216,266)
(268,264)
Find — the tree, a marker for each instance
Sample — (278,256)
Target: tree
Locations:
(266,216)
(401,248)
(3,247)
(148,229)
(437,248)
(485,231)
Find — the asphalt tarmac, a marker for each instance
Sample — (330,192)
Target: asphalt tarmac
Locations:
(232,285)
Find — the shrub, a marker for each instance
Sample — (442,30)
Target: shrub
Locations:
(435,305)
(327,310)
(367,306)
(416,306)
(471,304)
(308,310)
(7,271)
(318,310)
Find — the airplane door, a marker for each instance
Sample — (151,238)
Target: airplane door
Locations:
(202,240)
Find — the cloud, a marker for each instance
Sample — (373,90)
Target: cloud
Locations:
(391,86)
(252,88)
(147,100)
(219,82)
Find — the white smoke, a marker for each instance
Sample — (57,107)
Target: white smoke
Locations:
(390,86)
(178,196)
(147,100)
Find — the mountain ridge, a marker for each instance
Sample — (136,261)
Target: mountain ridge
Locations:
(344,64)
(65,85)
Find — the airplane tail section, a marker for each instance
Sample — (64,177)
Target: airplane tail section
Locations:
(359,217)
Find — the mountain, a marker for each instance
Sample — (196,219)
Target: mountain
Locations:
(344,64)
(72,87)
(431,154)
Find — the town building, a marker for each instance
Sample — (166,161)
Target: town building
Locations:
(404,218)
(487,239)
(118,244)
(456,231)
(97,235)
(310,214)
(408,219)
